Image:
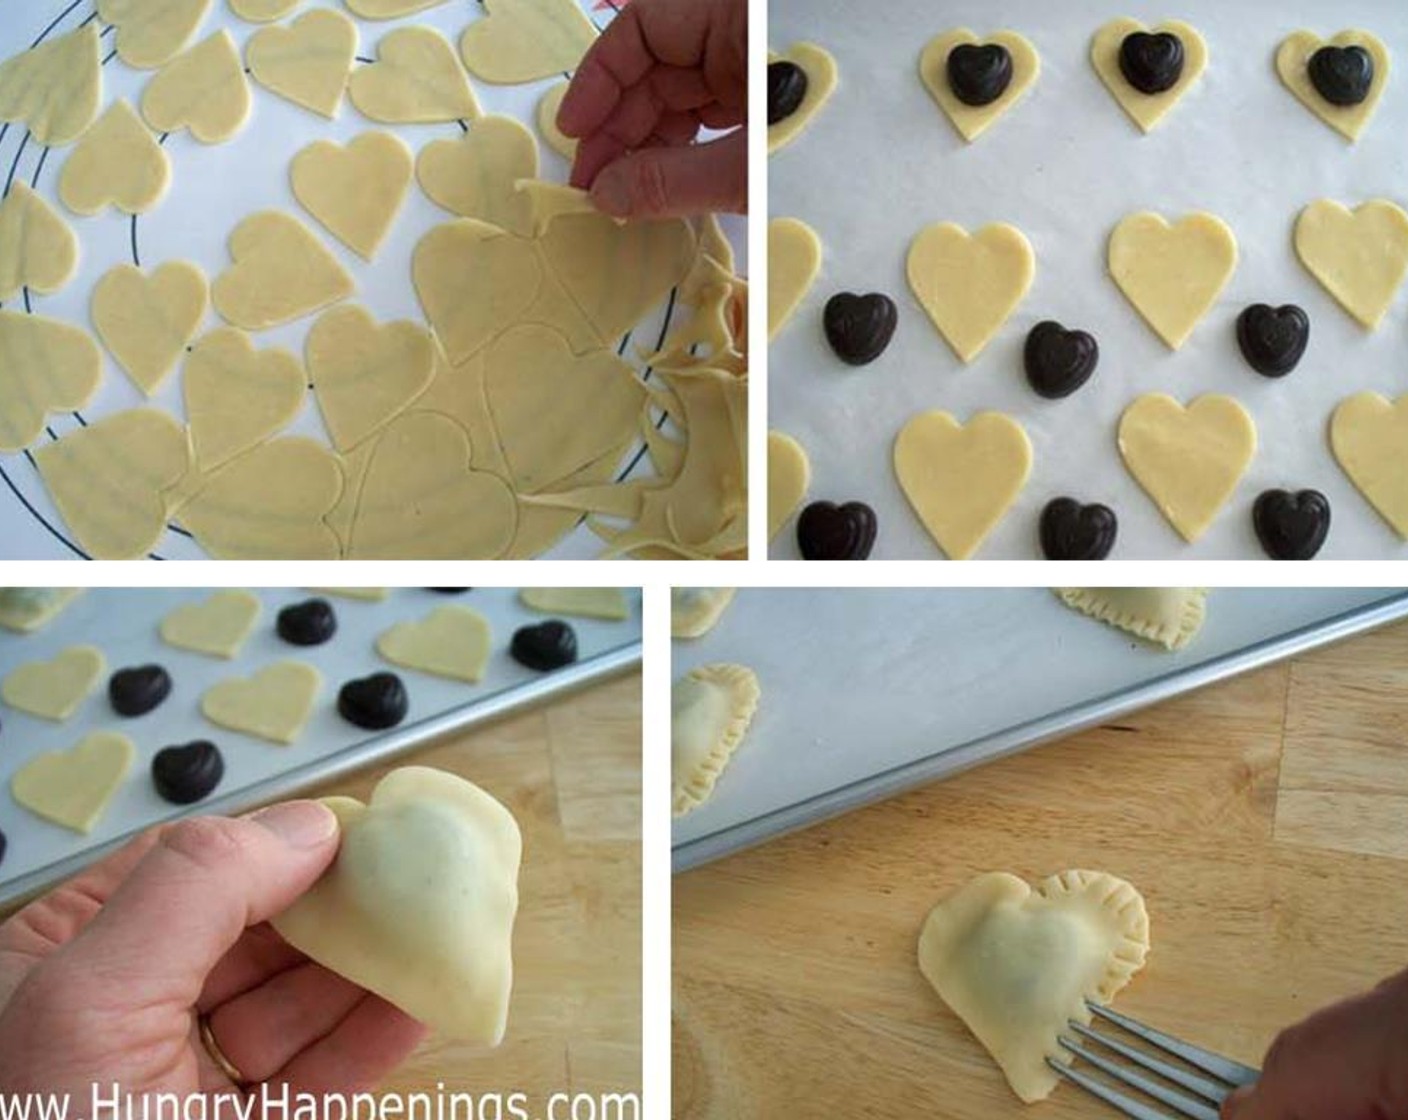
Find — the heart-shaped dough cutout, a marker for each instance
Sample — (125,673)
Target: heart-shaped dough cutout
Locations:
(972,121)
(150,35)
(203,89)
(1293,65)
(147,322)
(217,626)
(1016,965)
(73,787)
(711,708)
(526,40)
(476,176)
(962,479)
(548,105)
(273,704)
(1144,109)
(390,9)
(1368,434)
(794,259)
(35,608)
(109,480)
(237,397)
(262,11)
(1359,257)
(118,163)
(53,689)
(1189,460)
(820,69)
(586,602)
(307,62)
(432,845)
(970,285)
(45,366)
(281,272)
(54,88)
(1167,616)
(694,611)
(789,476)
(417,78)
(452,642)
(354,192)
(37,248)
(1172,274)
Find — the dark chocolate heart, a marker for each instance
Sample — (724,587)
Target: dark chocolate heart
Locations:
(787,89)
(136,691)
(1343,75)
(548,645)
(1059,361)
(1071,531)
(449,590)
(310,623)
(1152,63)
(375,702)
(3,845)
(1273,340)
(826,531)
(979,74)
(186,774)
(859,327)
(1291,526)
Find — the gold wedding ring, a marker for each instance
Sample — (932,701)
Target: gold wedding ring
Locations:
(227,1067)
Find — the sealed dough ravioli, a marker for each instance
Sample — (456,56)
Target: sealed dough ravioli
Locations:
(1167,616)
(711,709)
(694,611)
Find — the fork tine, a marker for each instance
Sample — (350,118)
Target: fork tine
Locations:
(1213,1091)
(1135,1110)
(1184,1106)
(1234,1073)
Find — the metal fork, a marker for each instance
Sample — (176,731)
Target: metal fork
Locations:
(1187,1073)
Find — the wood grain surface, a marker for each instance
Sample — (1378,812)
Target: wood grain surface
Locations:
(1264,819)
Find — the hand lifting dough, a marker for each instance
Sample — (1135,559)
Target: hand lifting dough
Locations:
(588,602)
(1369,435)
(1016,964)
(262,11)
(789,476)
(37,248)
(237,397)
(972,121)
(273,704)
(54,689)
(526,40)
(1293,65)
(794,259)
(694,611)
(452,642)
(280,272)
(970,284)
(1166,616)
(1146,110)
(354,192)
(147,322)
(45,366)
(417,79)
(307,62)
(203,89)
(548,106)
(27,609)
(419,905)
(1360,258)
(217,626)
(477,175)
(73,787)
(820,69)
(150,35)
(711,708)
(55,88)
(1172,274)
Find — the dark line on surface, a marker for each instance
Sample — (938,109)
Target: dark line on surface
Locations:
(39,516)
(10,179)
(57,20)
(660,343)
(110,57)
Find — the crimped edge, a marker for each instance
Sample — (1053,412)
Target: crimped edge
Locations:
(694,789)
(1089,602)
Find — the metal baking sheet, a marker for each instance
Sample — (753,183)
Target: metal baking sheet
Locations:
(123,624)
(870,692)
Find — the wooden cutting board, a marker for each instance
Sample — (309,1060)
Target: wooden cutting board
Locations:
(1265,820)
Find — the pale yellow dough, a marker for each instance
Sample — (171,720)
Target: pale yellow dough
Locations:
(37,248)
(789,476)
(390,9)
(262,11)
(202,89)
(820,69)
(420,903)
(147,322)
(970,284)
(362,594)
(45,366)
(1146,110)
(694,611)
(962,479)
(118,163)
(73,787)
(54,689)
(280,272)
(1293,65)
(526,40)
(1166,616)
(417,78)
(794,259)
(1188,460)
(1360,257)
(1172,274)
(54,89)
(476,176)
(972,121)
(589,602)
(453,642)
(307,62)
(273,704)
(1369,434)
(216,626)
(25,609)
(354,192)
(237,397)
(711,709)
(148,34)
(548,105)
(1016,964)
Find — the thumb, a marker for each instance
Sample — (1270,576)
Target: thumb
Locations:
(676,182)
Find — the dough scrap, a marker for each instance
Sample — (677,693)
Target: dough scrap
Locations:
(1017,964)
(1172,274)
(453,642)
(1369,434)
(970,284)
(55,688)
(202,89)
(972,121)
(1188,460)
(1146,110)
(794,259)
(789,476)
(962,479)
(711,708)
(262,11)
(150,35)
(354,192)
(307,62)
(419,905)
(147,322)
(1359,257)
(216,626)
(73,787)
(45,366)
(1166,616)
(417,78)
(525,40)
(476,176)
(55,88)
(1293,66)
(118,163)
(550,201)
(548,105)
(27,609)
(607,603)
(37,248)
(694,611)
(273,704)
(820,69)
(237,397)
(280,272)
(109,480)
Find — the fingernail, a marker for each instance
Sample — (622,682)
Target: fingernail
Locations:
(299,824)
(610,194)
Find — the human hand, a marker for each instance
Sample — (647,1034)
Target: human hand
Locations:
(107,978)
(1346,1062)
(660,71)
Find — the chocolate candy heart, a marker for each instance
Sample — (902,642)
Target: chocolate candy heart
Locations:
(185,774)
(1071,531)
(1291,526)
(787,89)
(449,590)
(979,74)
(135,692)
(1059,361)
(548,645)
(1273,340)
(375,702)
(826,531)
(859,327)
(1152,63)
(310,623)
(1343,75)
(3,845)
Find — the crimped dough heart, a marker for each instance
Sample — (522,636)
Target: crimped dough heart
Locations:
(203,89)
(820,69)
(73,787)
(1359,257)
(1172,274)
(217,626)
(972,121)
(711,709)
(54,88)
(1293,65)
(1146,110)
(53,689)
(789,475)
(794,259)
(1167,616)
(273,704)
(355,192)
(281,272)
(37,248)
(237,397)
(476,176)
(147,322)
(970,284)
(45,366)
(308,61)
(1368,434)
(452,642)
(526,40)
(417,78)
(117,163)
